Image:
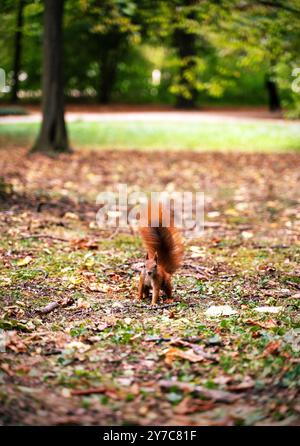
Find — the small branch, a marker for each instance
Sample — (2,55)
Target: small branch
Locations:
(159,307)
(116,232)
(270,247)
(175,340)
(53,305)
(37,335)
(51,237)
(52,352)
(221,396)
(279,5)
(158,340)
(48,308)
(272,4)
(89,391)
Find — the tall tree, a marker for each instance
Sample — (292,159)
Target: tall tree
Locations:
(18,50)
(113,25)
(266,32)
(273,94)
(184,41)
(110,54)
(184,23)
(53,133)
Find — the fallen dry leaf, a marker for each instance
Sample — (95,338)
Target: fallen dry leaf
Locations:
(91,391)
(71,216)
(247,383)
(83,243)
(190,405)
(82,303)
(271,349)
(14,342)
(99,287)
(270,323)
(25,261)
(213,394)
(295,296)
(173,353)
(266,309)
(220,310)
(6,369)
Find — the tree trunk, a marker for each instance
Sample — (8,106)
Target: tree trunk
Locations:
(112,46)
(18,51)
(53,133)
(108,69)
(273,95)
(185,44)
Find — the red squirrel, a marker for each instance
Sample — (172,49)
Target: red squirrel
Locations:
(164,253)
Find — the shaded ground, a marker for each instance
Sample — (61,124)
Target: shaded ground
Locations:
(102,358)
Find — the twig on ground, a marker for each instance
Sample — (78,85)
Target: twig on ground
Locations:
(159,307)
(48,308)
(36,335)
(53,305)
(52,352)
(88,391)
(221,396)
(270,247)
(116,232)
(158,340)
(51,237)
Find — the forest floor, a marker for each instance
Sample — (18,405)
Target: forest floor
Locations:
(100,357)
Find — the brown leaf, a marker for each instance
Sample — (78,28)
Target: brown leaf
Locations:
(171,314)
(25,261)
(271,349)
(203,392)
(270,323)
(67,301)
(198,349)
(101,327)
(71,216)
(6,369)
(173,353)
(247,383)
(190,405)
(83,243)
(99,287)
(14,342)
(295,296)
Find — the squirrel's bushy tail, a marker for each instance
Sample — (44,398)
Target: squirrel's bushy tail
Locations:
(167,242)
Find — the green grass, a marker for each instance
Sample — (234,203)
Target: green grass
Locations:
(226,136)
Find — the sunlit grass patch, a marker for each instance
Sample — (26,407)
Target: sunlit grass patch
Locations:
(212,136)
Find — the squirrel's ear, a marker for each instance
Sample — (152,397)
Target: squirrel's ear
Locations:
(155,257)
(147,256)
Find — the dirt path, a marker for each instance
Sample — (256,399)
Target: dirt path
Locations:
(128,114)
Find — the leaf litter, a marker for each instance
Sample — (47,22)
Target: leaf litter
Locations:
(76,340)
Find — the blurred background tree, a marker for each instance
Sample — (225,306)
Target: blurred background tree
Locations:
(53,135)
(187,53)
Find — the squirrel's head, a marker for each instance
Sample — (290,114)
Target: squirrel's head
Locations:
(150,266)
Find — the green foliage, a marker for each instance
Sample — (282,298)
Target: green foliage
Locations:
(209,51)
